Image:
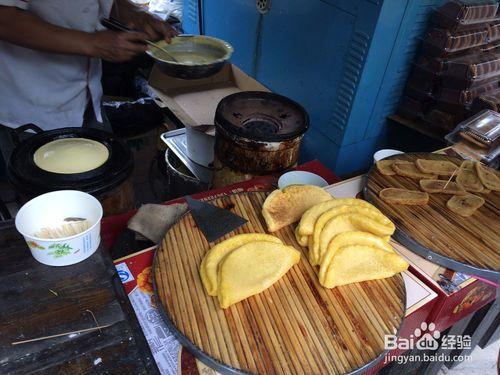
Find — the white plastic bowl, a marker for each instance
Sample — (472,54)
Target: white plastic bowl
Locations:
(49,209)
(301,178)
(385,153)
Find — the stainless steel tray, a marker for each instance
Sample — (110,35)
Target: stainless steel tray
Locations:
(176,141)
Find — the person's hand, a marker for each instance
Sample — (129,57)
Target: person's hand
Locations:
(116,46)
(155,28)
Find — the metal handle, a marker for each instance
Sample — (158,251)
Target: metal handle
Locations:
(21,129)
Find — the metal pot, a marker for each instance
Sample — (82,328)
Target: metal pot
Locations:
(180,181)
(187,49)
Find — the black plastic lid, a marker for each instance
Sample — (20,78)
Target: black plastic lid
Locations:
(30,179)
(261,116)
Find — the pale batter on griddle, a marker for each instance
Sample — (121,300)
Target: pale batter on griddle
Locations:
(71,155)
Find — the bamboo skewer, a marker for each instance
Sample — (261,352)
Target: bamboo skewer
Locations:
(97,327)
(456,171)
(93,317)
(61,334)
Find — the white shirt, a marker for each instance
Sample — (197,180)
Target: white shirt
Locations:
(48,89)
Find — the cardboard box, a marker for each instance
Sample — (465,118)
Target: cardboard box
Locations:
(193,102)
(458,294)
(135,273)
(350,188)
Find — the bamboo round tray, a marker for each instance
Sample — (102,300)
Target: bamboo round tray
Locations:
(295,326)
(470,245)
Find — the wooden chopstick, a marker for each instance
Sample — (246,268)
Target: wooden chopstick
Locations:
(156,45)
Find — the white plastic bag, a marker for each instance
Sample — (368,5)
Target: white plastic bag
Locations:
(166,8)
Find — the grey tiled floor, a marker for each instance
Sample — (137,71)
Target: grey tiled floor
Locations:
(483,362)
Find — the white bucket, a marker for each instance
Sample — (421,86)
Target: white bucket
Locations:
(301,178)
(49,209)
(385,153)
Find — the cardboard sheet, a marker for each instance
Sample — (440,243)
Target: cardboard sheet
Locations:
(194,102)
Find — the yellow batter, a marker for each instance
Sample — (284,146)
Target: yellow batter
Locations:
(71,155)
(187,57)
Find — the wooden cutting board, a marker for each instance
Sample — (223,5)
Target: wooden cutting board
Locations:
(470,245)
(295,326)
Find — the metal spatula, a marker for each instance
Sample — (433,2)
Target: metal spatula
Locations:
(214,222)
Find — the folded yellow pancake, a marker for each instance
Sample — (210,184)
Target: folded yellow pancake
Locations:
(308,220)
(439,167)
(488,177)
(467,177)
(368,212)
(212,259)
(252,268)
(284,207)
(346,239)
(352,264)
(350,222)
(302,240)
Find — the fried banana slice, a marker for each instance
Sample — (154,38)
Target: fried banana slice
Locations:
(404,196)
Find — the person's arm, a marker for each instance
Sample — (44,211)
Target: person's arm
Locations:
(138,19)
(26,29)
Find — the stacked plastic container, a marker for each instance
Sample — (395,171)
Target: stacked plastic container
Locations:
(458,70)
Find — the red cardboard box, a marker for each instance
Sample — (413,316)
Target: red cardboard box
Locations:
(458,294)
